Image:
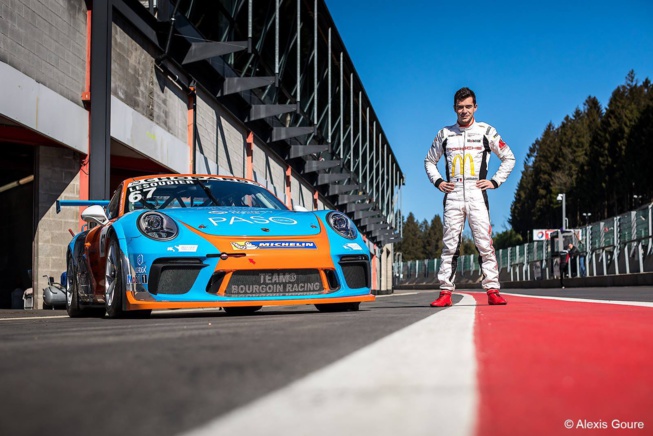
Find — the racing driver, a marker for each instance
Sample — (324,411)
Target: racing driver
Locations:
(467,146)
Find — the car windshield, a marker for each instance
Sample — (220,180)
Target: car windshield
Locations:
(196,191)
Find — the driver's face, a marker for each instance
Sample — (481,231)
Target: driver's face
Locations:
(465,110)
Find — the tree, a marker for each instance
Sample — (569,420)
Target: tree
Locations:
(507,238)
(639,151)
(433,239)
(585,194)
(598,158)
(610,144)
(411,245)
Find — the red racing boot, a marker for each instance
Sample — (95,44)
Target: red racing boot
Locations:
(443,300)
(494,298)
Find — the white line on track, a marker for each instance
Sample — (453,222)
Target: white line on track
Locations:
(33,317)
(585,300)
(397,294)
(420,380)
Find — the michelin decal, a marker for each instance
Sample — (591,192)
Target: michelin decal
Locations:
(260,245)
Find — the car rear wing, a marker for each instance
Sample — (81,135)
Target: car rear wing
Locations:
(66,203)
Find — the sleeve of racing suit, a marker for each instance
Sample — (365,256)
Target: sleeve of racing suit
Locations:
(432,158)
(502,150)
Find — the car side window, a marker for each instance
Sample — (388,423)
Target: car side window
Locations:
(114,204)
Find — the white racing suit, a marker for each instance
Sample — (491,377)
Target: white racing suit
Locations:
(467,152)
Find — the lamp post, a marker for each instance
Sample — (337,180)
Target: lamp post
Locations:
(562,197)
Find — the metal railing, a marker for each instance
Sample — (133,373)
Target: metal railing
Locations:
(618,245)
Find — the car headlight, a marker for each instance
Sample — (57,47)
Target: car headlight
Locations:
(342,225)
(157,226)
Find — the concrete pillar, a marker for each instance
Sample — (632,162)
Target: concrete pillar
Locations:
(57,178)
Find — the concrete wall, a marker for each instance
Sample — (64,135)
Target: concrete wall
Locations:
(219,141)
(46,40)
(136,81)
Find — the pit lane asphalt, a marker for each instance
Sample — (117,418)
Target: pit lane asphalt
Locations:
(179,369)
(174,371)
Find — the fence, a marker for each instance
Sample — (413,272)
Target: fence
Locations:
(618,245)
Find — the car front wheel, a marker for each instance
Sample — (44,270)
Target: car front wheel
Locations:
(113,281)
(114,291)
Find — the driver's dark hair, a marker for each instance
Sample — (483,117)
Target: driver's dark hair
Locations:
(462,94)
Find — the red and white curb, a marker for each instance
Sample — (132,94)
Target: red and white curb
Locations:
(538,366)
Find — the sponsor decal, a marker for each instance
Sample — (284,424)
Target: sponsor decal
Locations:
(253,220)
(139,279)
(352,246)
(177,180)
(183,248)
(139,259)
(462,159)
(275,283)
(278,277)
(139,185)
(256,245)
(277,288)
(237,211)
(542,234)
(243,245)
(501,144)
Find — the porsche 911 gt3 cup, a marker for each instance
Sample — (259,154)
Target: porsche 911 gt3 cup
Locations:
(204,241)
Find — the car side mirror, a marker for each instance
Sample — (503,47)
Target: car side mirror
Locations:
(95,215)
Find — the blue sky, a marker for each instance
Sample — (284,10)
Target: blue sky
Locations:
(530,63)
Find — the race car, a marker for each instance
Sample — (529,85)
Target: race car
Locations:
(205,241)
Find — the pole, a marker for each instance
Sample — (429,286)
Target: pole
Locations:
(564,211)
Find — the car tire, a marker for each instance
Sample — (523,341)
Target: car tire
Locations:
(113,281)
(243,310)
(338,307)
(72,291)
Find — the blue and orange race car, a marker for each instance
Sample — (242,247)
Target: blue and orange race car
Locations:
(204,241)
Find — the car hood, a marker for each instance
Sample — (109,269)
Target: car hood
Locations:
(247,221)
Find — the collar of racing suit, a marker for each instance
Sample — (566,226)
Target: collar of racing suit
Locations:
(467,127)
